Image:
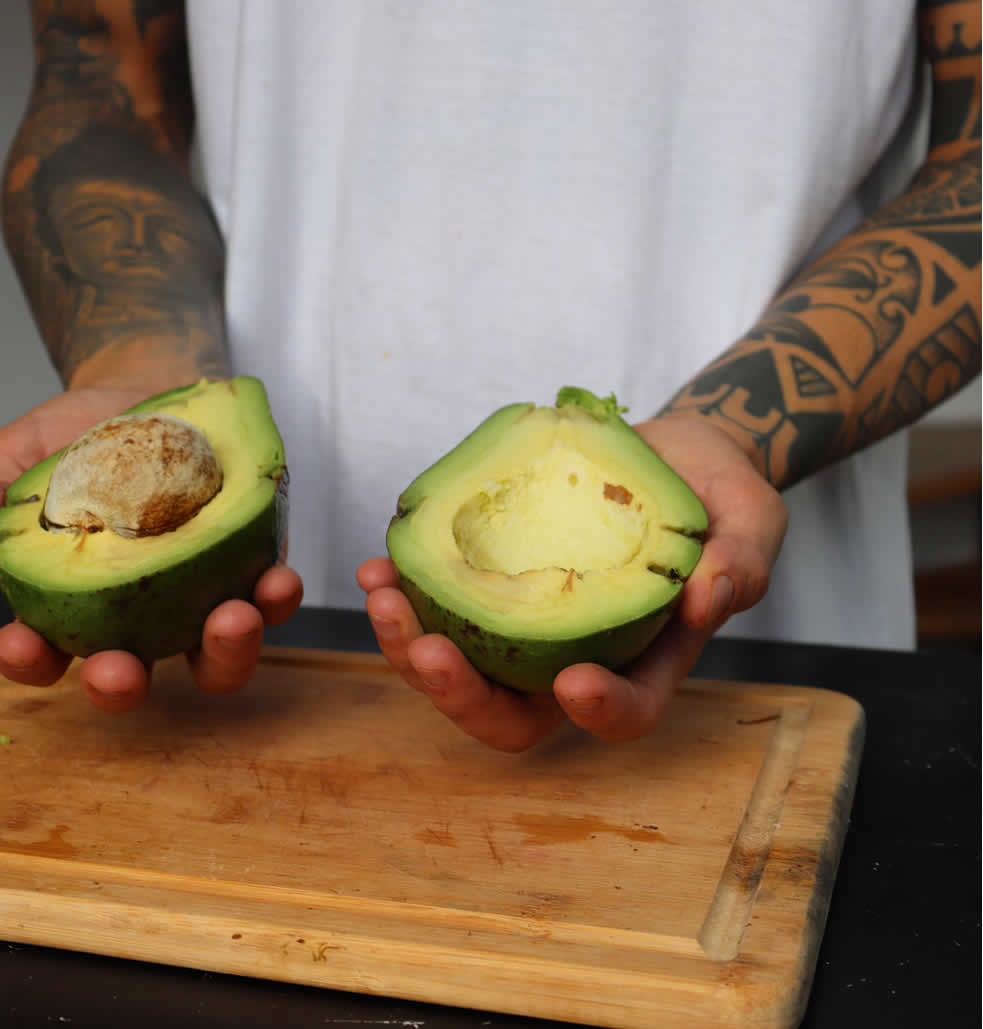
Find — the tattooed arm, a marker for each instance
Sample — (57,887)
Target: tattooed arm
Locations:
(122,263)
(863,342)
(887,324)
(118,254)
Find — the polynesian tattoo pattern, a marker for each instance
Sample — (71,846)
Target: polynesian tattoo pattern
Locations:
(119,256)
(887,324)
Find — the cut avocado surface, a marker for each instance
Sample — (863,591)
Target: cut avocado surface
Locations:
(148,587)
(548,537)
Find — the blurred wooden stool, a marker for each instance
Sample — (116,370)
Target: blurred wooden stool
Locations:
(944,493)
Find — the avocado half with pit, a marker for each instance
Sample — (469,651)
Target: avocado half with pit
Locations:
(130,536)
(548,537)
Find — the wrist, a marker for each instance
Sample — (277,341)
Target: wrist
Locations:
(744,440)
(153,366)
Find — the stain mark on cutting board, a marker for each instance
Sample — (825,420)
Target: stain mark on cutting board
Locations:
(440,835)
(29,707)
(546,829)
(54,846)
(232,810)
(22,815)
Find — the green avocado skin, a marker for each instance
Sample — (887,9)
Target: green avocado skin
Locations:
(532,665)
(516,659)
(162,614)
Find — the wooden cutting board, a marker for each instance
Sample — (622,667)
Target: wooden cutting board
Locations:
(327,827)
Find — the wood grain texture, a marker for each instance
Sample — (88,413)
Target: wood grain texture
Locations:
(326,827)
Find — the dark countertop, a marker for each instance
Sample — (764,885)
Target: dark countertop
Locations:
(902,942)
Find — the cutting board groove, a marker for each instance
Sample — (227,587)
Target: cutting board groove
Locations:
(326,827)
(733,899)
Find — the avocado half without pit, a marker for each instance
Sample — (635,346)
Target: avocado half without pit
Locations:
(548,537)
(130,536)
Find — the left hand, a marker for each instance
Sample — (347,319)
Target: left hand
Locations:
(747,525)
(116,681)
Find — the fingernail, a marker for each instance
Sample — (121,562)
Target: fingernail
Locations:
(720,601)
(113,688)
(110,689)
(385,628)
(434,680)
(235,642)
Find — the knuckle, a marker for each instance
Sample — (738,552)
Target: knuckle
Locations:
(757,578)
(779,514)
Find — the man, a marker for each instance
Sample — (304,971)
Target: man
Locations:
(417,212)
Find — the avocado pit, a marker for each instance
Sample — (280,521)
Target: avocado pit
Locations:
(136,475)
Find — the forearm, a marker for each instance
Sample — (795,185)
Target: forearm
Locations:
(884,326)
(866,340)
(119,256)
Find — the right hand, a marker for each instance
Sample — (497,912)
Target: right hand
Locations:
(116,681)
(748,520)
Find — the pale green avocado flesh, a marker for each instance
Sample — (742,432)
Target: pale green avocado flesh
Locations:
(548,537)
(96,590)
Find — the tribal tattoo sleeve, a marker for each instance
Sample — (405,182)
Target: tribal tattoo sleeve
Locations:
(887,324)
(118,254)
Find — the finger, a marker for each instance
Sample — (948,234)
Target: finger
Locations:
(376,573)
(732,575)
(708,599)
(734,569)
(630,706)
(230,646)
(115,681)
(396,626)
(278,594)
(25,657)
(497,716)
(431,664)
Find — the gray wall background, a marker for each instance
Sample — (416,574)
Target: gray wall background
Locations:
(26,376)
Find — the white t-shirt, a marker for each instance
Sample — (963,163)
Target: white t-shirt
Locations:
(434,208)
